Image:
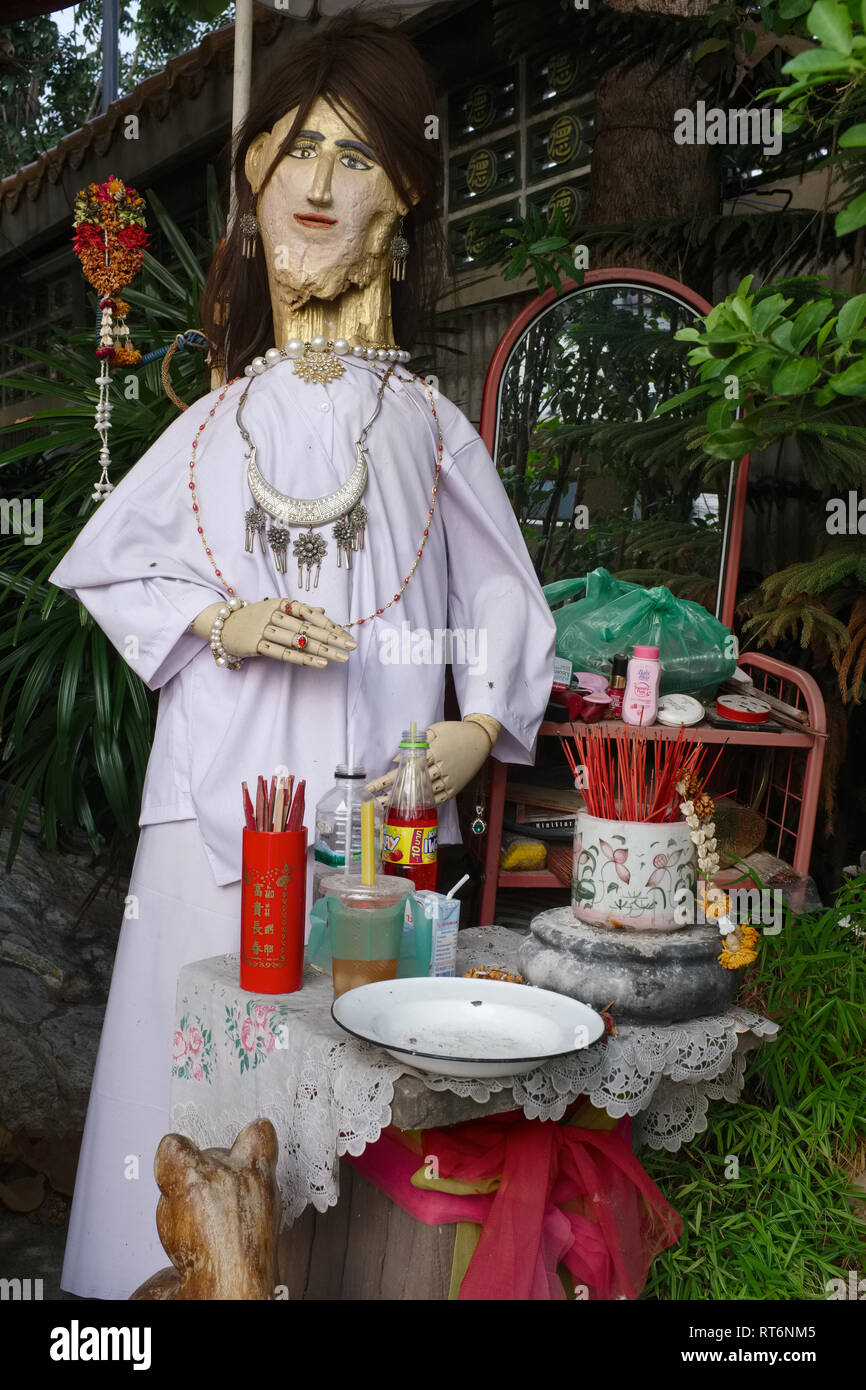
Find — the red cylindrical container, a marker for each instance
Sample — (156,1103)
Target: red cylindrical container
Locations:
(273,910)
(571,699)
(594,707)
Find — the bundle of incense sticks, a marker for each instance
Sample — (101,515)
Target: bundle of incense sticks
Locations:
(618,780)
(275,809)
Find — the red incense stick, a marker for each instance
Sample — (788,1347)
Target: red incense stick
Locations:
(296,815)
(249,813)
(626,781)
(276,809)
(277,817)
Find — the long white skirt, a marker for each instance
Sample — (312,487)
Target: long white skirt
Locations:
(183,916)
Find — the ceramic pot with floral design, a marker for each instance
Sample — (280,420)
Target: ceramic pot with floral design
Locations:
(630,873)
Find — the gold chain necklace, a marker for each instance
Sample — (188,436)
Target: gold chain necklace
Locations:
(355,622)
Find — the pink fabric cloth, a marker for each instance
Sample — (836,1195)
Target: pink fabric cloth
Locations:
(551,1176)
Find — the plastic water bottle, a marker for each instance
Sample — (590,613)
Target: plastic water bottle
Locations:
(338,825)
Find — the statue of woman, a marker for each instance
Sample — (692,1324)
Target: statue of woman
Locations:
(351,509)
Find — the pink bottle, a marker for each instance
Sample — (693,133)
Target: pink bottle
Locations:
(641,699)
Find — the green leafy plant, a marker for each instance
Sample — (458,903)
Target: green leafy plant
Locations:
(540,244)
(75,721)
(784,1220)
(536,243)
(796,364)
(789,360)
(829,92)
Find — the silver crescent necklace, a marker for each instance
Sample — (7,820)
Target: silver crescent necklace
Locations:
(343,507)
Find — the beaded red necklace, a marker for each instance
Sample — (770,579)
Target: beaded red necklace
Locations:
(355,622)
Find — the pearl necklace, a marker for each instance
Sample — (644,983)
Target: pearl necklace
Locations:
(317,360)
(354,622)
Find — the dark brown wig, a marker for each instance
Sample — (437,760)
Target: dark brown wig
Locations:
(375,76)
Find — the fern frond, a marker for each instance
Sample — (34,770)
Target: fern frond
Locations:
(852,666)
(817,626)
(843,559)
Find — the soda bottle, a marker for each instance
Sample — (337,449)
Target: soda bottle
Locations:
(411,830)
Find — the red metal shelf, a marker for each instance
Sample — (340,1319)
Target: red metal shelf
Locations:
(789,738)
(529,878)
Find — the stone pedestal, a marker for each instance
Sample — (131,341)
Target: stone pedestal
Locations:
(653,976)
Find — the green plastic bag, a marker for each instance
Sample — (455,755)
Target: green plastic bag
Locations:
(608,615)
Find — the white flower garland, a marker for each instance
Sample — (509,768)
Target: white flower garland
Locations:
(703,836)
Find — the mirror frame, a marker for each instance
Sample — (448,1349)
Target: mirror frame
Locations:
(625,277)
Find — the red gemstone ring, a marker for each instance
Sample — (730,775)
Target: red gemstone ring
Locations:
(301,641)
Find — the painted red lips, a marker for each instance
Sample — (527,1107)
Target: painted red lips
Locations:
(314,219)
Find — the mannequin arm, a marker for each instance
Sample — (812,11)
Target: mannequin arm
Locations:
(458,750)
(272,628)
(201,625)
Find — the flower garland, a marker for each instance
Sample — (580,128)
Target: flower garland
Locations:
(109,241)
(740,942)
(110,234)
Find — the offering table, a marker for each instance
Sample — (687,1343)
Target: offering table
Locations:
(239,1056)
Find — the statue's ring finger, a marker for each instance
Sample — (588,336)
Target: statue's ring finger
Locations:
(311,647)
(288,629)
(336,636)
(281,653)
(294,639)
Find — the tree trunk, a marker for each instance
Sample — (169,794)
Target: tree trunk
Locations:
(638,171)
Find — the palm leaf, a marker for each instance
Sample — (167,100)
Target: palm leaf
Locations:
(76,722)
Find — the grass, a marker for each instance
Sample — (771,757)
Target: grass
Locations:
(788,1222)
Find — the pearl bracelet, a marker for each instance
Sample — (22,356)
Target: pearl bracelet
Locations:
(221,656)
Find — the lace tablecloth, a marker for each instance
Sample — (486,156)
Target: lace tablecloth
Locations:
(238,1056)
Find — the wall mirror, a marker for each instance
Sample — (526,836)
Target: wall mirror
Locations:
(593,480)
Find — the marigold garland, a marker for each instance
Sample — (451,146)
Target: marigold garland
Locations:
(739,948)
(110,234)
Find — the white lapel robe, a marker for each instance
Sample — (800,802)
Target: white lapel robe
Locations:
(140,568)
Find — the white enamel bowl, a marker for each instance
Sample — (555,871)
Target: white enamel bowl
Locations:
(460,1027)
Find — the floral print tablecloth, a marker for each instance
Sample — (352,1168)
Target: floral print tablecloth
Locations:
(238,1056)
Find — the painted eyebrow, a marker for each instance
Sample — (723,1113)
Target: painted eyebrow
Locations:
(356,145)
(341,144)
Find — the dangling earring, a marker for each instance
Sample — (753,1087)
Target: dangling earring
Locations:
(249,226)
(399,254)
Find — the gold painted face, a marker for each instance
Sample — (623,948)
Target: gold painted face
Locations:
(328,213)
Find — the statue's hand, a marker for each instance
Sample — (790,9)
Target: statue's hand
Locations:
(274,628)
(458,749)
